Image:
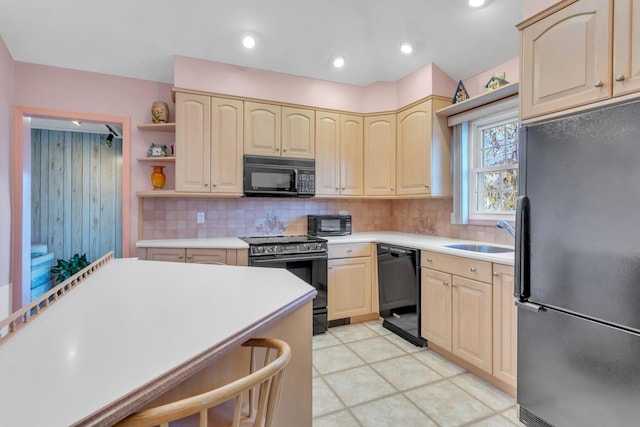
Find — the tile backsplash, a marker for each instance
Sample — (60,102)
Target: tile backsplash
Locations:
(176,217)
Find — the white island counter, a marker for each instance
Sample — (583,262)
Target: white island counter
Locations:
(136,329)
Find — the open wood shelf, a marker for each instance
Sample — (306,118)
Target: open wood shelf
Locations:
(157,159)
(480,100)
(158,127)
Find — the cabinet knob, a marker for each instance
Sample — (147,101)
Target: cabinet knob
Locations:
(349,250)
(473,269)
(496,274)
(180,257)
(619,77)
(215,185)
(426,186)
(189,257)
(454,286)
(429,260)
(277,149)
(391,189)
(284,150)
(330,267)
(344,188)
(337,188)
(598,83)
(206,185)
(445,283)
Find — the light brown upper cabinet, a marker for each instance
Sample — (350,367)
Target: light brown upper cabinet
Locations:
(423,150)
(570,59)
(208,144)
(298,133)
(626,47)
(380,155)
(339,154)
(273,130)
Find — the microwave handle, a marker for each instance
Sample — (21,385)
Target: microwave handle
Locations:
(295,180)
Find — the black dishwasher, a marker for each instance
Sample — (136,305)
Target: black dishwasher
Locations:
(399,291)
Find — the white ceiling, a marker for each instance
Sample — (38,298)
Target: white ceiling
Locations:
(139,38)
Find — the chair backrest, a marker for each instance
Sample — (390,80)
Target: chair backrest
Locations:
(262,386)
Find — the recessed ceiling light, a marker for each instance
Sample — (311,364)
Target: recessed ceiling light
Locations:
(477,3)
(406,48)
(338,61)
(249,42)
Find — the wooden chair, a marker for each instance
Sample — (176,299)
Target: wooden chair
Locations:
(226,406)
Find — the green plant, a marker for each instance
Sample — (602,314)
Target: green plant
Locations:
(67,268)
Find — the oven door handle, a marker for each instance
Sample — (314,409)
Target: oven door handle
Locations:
(310,257)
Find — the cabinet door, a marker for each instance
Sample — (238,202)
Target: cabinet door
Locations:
(351,155)
(566,59)
(626,47)
(166,254)
(262,129)
(298,133)
(472,322)
(414,150)
(193,142)
(435,308)
(327,153)
(349,287)
(206,256)
(226,145)
(380,155)
(505,325)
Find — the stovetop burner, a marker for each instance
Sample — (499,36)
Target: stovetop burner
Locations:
(278,245)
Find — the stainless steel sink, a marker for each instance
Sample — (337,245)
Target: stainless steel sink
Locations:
(480,248)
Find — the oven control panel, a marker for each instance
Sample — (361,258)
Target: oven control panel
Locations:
(287,248)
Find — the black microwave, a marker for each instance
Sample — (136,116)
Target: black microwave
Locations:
(329,225)
(279,177)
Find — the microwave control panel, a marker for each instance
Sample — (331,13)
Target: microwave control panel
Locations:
(306,183)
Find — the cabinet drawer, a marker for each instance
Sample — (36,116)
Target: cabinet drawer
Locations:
(459,266)
(349,250)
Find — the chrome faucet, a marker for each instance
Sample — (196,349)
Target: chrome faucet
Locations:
(504,224)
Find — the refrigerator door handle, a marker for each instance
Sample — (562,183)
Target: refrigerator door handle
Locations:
(530,306)
(521,283)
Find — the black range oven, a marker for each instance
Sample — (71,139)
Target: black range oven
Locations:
(304,256)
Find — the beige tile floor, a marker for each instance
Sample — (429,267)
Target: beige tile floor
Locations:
(365,376)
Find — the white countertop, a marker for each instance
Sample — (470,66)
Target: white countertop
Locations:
(418,241)
(130,323)
(431,243)
(208,243)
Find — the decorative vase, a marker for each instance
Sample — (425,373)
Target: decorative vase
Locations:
(158,177)
(159,112)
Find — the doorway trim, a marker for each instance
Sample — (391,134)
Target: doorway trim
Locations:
(21,172)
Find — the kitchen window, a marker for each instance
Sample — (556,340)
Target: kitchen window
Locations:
(493,168)
(485,163)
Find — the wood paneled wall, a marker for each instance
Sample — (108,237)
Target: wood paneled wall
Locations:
(76,193)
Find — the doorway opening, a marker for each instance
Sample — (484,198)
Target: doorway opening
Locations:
(70,191)
(76,194)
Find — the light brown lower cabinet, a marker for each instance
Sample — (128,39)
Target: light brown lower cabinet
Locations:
(468,315)
(349,281)
(456,316)
(199,255)
(505,325)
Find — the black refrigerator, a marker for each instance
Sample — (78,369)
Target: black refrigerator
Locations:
(578,270)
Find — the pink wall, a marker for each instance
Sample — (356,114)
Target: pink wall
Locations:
(77,91)
(475,84)
(209,76)
(7,76)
